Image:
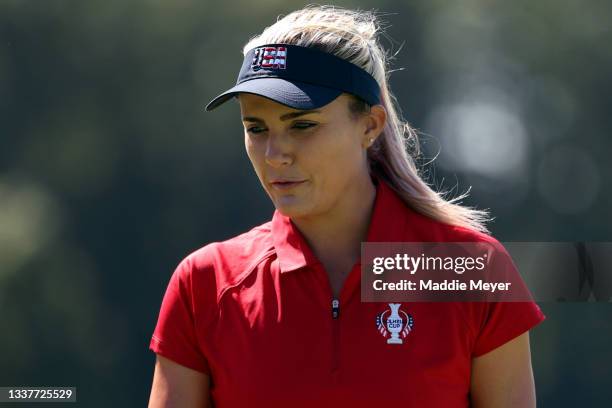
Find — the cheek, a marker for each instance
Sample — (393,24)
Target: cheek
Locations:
(251,148)
(255,154)
(337,152)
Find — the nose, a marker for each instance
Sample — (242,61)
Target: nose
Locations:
(278,151)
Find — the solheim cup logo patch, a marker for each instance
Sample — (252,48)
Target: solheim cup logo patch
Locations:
(269,58)
(394,322)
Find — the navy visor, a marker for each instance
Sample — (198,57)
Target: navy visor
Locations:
(299,77)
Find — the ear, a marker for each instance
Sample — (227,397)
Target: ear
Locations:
(375,122)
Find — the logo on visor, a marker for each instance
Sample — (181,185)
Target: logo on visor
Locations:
(394,322)
(269,58)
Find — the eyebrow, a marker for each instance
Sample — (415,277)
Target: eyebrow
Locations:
(284,117)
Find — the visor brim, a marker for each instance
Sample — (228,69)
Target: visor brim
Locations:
(296,95)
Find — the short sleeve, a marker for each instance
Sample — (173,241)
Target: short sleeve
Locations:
(174,336)
(501,322)
(498,322)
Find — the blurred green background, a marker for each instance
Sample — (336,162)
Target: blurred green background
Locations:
(110,171)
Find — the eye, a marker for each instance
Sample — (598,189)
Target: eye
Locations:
(297,125)
(303,125)
(255,129)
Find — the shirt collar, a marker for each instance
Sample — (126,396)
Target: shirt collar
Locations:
(389,221)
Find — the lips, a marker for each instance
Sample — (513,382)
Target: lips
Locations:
(284,184)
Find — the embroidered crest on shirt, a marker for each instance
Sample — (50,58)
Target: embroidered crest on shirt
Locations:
(394,324)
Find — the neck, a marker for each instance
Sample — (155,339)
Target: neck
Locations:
(338,233)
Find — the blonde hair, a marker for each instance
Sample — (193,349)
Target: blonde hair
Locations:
(353,36)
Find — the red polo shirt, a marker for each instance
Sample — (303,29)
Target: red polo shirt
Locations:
(255,313)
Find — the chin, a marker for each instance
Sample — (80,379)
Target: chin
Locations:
(292,208)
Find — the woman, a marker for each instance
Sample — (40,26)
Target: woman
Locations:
(273,317)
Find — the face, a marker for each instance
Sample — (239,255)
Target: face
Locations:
(307,161)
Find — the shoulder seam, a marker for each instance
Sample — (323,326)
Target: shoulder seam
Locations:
(245,274)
